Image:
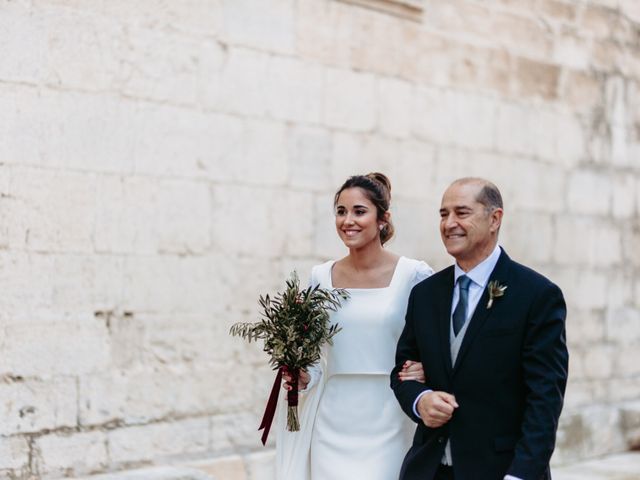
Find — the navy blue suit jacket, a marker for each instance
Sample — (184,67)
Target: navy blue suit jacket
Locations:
(509,377)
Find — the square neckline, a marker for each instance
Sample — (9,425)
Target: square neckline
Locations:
(351,289)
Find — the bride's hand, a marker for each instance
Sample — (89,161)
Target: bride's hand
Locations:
(303,379)
(412,371)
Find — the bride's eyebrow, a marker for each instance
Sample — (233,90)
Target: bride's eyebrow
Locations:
(355,206)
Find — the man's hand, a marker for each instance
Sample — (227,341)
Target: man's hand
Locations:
(436,408)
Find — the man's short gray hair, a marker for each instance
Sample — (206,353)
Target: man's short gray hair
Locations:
(489,195)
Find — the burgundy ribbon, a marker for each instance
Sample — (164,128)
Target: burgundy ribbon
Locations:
(269,412)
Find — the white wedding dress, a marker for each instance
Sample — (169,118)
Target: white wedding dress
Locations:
(351,424)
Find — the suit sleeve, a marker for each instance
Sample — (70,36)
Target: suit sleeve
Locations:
(407,349)
(545,369)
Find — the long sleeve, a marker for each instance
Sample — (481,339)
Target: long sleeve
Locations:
(407,349)
(545,366)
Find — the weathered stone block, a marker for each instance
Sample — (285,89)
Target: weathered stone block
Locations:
(264,25)
(84,50)
(415,172)
(603,22)
(378,43)
(395,106)
(261,465)
(158,441)
(417,234)
(18,27)
(265,156)
(473,19)
(571,51)
(238,89)
(570,140)
(626,389)
(326,243)
(431,62)
(587,241)
(349,100)
(558,11)
(172,284)
(309,154)
(176,142)
(271,231)
(516,236)
(14,453)
(201,17)
(585,326)
(231,467)
(583,289)
(236,431)
(30,406)
(589,432)
(169,67)
(526,36)
(544,191)
(324,31)
(620,287)
(454,118)
(626,360)
(94,134)
(523,131)
(87,283)
(631,423)
(154,473)
(623,325)
(537,79)
(80,453)
(143,215)
(144,396)
(589,192)
(58,346)
(52,212)
(630,245)
(624,195)
(355,154)
(580,393)
(294,90)
(582,90)
(599,363)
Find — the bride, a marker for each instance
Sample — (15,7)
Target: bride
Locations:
(351,424)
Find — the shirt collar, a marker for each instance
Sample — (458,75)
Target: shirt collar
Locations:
(480,273)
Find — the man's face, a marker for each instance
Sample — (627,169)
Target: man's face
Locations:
(468,230)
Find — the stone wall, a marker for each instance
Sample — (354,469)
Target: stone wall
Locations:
(162,163)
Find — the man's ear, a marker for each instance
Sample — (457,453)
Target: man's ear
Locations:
(496,219)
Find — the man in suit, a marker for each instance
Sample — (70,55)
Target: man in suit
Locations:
(490,334)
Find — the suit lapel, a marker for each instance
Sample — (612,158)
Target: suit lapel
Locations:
(445,296)
(481,312)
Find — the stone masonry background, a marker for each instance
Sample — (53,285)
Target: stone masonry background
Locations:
(162,163)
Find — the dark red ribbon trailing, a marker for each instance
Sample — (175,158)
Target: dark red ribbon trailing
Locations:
(270,410)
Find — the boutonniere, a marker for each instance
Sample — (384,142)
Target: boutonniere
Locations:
(495,291)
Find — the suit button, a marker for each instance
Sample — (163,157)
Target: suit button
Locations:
(440,439)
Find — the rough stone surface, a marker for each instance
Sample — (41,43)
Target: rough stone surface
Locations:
(164,163)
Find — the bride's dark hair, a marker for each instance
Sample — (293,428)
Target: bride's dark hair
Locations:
(377,187)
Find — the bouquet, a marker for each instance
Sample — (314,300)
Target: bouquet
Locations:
(294,327)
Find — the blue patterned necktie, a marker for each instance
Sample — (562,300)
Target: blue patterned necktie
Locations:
(460,313)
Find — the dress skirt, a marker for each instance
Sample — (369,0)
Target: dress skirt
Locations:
(360,430)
